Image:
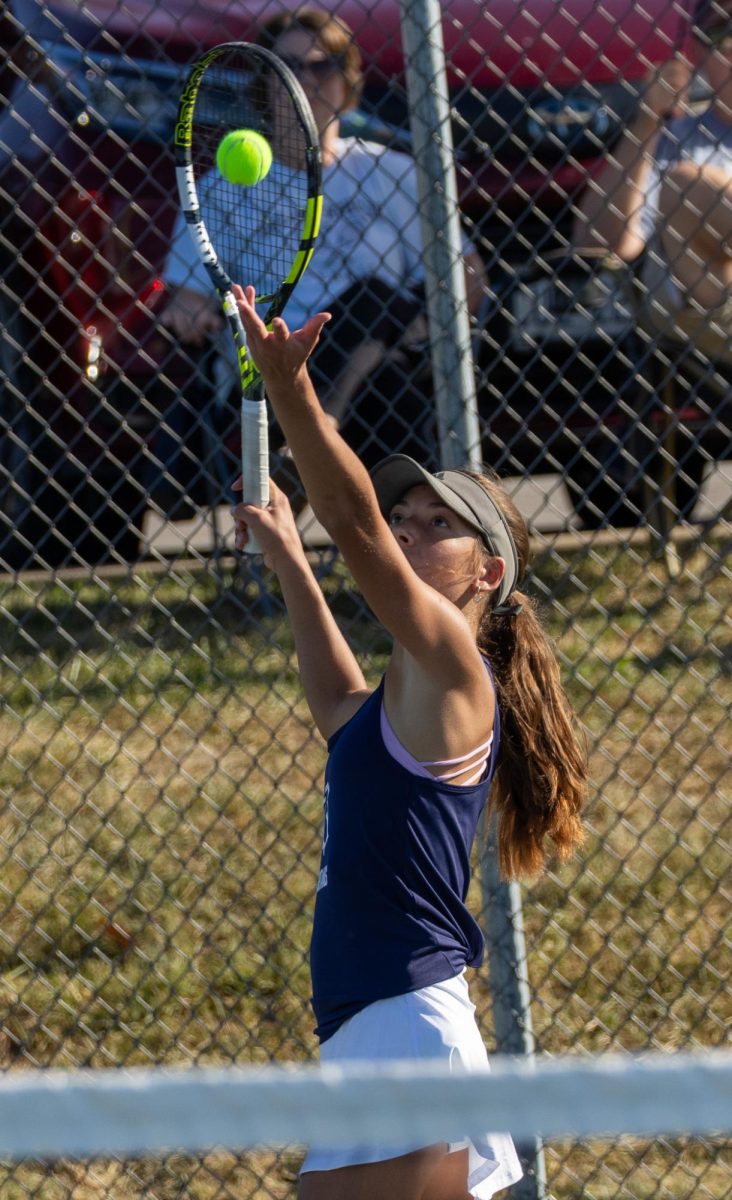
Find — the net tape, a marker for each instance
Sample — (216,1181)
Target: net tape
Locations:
(88,1113)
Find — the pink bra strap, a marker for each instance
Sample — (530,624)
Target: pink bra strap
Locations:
(415,767)
(482,749)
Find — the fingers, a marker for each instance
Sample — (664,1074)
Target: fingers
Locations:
(241,536)
(246,299)
(314,326)
(242,510)
(240,513)
(308,337)
(280,331)
(275,496)
(273,527)
(257,333)
(241,293)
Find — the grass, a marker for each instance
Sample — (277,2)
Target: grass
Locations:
(159,837)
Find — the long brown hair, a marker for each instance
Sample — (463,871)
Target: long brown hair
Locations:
(541,780)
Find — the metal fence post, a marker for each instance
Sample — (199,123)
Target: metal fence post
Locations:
(450,335)
(459,434)
(503,922)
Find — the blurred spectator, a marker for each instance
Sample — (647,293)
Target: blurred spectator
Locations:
(366,269)
(663,198)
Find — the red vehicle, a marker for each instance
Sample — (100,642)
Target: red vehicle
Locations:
(94,428)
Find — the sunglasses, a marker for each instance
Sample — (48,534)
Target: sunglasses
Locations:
(317,68)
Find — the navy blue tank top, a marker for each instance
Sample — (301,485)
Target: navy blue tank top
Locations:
(390,913)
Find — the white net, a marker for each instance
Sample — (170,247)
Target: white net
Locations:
(85,1114)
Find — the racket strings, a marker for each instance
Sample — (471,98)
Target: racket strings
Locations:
(256,229)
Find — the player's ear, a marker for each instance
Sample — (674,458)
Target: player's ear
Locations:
(491,574)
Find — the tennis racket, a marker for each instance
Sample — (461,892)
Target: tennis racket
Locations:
(262,234)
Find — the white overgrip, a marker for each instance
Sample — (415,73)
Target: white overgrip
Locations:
(254,458)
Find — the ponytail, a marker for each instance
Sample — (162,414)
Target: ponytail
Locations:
(540,783)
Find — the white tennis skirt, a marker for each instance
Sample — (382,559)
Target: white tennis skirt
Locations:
(436,1022)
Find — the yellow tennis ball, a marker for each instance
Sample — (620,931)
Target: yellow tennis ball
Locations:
(244,157)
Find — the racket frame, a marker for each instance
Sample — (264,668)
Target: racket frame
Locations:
(254,421)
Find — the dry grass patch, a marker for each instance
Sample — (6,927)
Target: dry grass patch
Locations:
(160,837)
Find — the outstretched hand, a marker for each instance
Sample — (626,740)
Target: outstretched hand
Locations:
(667,89)
(279,353)
(273,527)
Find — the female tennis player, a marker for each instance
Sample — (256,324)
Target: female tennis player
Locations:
(470,698)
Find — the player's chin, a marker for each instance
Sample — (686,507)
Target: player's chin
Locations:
(439,578)
(423,569)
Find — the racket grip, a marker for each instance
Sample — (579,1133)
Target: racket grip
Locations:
(254,459)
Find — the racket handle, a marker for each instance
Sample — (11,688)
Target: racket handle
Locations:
(254,459)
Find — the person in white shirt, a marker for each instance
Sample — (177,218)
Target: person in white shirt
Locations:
(663,198)
(366,269)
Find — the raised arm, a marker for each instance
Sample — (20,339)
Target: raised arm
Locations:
(426,624)
(612,203)
(332,680)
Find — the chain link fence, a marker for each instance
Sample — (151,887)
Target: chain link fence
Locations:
(159,775)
